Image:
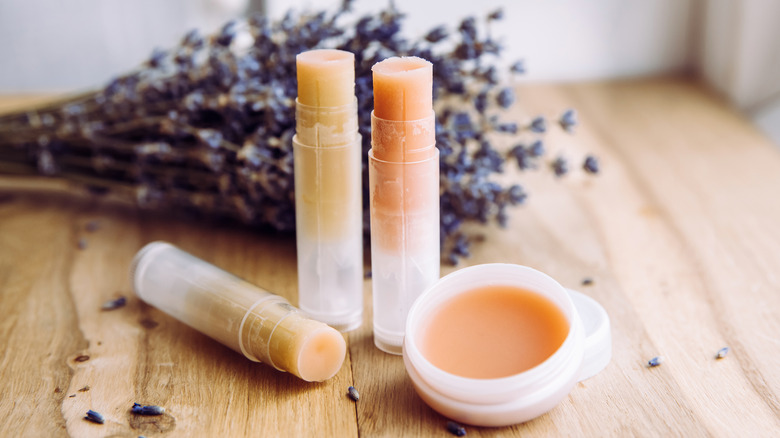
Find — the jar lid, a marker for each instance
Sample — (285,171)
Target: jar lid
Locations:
(598,337)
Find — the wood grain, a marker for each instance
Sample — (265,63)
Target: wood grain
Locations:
(679,233)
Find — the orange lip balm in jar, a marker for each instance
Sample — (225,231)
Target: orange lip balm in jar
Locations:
(500,344)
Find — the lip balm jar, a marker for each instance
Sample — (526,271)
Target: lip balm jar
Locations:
(514,398)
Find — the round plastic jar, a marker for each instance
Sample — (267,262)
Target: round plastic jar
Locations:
(503,401)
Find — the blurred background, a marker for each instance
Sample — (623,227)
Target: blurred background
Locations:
(734,46)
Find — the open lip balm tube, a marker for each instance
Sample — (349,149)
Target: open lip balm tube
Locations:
(403,173)
(328,189)
(501,344)
(260,325)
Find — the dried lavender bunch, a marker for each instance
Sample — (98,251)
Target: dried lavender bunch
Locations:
(206,127)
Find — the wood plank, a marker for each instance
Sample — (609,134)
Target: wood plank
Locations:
(679,233)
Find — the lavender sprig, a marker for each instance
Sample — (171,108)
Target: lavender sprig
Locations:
(206,127)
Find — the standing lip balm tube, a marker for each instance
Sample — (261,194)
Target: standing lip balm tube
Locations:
(262,326)
(404,194)
(328,190)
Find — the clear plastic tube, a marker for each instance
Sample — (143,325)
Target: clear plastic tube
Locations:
(329,217)
(404,197)
(262,326)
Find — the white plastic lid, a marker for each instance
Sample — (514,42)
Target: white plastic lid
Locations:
(598,336)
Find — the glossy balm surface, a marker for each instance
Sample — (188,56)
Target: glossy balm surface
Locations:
(403,170)
(403,92)
(493,332)
(328,189)
(326,78)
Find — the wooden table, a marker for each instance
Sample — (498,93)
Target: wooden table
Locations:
(680,233)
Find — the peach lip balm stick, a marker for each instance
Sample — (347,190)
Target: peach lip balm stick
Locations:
(404,194)
(328,190)
(262,326)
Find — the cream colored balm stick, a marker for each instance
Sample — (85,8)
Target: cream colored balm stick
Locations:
(262,326)
(328,189)
(404,194)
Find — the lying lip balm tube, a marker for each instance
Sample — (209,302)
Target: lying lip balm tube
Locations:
(262,326)
(500,344)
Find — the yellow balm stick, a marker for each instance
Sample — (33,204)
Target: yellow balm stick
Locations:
(328,189)
(262,326)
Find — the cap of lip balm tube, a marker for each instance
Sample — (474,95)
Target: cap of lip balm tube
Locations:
(262,326)
(514,398)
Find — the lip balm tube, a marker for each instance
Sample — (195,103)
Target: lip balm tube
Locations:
(328,190)
(260,325)
(404,194)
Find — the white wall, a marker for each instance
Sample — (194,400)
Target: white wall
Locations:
(57,45)
(563,39)
(739,54)
(51,45)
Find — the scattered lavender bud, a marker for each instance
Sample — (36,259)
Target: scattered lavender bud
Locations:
(206,126)
(591,164)
(568,120)
(587,281)
(481,102)
(92,226)
(84,389)
(147,410)
(498,14)
(654,362)
(456,429)
(114,304)
(436,34)
(536,149)
(353,393)
(157,58)
(468,27)
(95,417)
(192,39)
(560,166)
(518,67)
(368,274)
(516,195)
(722,353)
(521,154)
(505,98)
(82,244)
(538,125)
(510,128)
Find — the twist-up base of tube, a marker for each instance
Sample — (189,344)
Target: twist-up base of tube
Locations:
(405,255)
